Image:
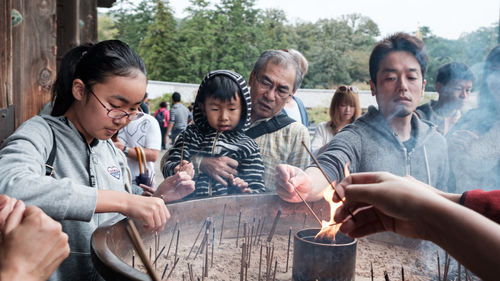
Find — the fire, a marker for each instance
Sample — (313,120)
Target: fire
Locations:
(330,228)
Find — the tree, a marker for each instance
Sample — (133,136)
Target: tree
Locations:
(159,49)
(106,28)
(133,21)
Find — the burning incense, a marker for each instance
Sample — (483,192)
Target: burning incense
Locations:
(275,267)
(242,263)
(307,205)
(261,229)
(139,247)
(177,243)
(273,228)
(403,274)
(222,225)
(133,258)
(326,176)
(371,270)
(196,240)
(164,271)
(238,232)
(207,233)
(172,239)
(260,261)
(439,266)
(213,243)
(386,275)
(161,251)
(256,233)
(190,270)
(288,249)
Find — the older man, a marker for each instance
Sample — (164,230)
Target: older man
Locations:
(390,138)
(274,79)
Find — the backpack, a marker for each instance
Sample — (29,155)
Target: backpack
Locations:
(160,117)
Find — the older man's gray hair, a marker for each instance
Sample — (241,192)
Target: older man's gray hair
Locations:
(281,58)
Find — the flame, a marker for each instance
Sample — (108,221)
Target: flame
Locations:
(330,228)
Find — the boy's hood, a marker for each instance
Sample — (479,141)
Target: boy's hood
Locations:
(199,118)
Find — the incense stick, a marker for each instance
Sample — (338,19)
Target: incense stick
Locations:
(327,178)
(222,225)
(307,205)
(288,249)
(177,243)
(139,247)
(197,236)
(273,228)
(172,239)
(238,232)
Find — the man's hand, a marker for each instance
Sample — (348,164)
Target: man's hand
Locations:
(185,166)
(33,245)
(175,187)
(381,202)
(289,179)
(219,168)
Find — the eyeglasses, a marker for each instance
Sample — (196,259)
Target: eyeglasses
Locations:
(266,85)
(118,113)
(346,89)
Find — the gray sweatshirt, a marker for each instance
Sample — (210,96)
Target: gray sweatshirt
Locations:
(369,144)
(70,195)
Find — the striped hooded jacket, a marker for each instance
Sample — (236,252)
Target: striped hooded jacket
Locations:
(201,140)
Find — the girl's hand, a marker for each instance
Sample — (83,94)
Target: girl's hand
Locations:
(185,166)
(151,210)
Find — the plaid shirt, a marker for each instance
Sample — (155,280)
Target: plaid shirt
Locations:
(282,147)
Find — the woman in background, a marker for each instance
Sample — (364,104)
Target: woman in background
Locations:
(344,109)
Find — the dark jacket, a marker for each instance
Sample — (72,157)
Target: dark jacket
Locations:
(369,144)
(199,139)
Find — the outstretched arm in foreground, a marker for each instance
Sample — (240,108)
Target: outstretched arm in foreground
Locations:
(384,202)
(32,245)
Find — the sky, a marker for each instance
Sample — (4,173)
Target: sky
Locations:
(446,18)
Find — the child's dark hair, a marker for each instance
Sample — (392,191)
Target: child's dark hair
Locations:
(92,64)
(454,71)
(219,87)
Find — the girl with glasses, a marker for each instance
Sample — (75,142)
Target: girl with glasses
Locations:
(66,163)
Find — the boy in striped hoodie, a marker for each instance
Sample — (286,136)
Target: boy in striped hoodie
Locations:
(221,116)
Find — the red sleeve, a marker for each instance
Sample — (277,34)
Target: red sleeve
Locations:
(167,117)
(486,203)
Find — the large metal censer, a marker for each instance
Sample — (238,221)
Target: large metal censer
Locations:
(111,247)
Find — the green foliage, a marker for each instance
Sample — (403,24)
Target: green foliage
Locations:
(154,104)
(159,48)
(106,28)
(471,49)
(318,114)
(233,33)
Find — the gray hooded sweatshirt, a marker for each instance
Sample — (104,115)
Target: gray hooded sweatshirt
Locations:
(70,195)
(369,144)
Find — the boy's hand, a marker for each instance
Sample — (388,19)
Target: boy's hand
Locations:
(239,183)
(185,166)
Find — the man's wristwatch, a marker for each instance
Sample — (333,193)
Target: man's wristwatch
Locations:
(125,150)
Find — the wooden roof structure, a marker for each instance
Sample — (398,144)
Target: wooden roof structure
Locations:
(34,35)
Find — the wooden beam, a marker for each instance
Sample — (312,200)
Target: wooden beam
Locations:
(34,56)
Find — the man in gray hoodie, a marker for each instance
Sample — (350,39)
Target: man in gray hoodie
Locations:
(390,138)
